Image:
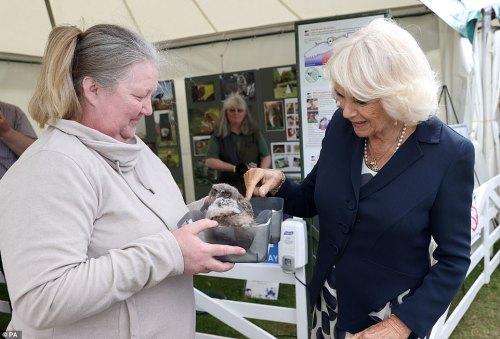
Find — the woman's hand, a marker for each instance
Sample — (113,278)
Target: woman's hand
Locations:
(199,255)
(391,328)
(260,181)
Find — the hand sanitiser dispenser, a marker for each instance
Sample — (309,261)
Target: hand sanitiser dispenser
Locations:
(292,248)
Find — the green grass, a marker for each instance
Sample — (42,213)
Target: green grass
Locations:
(482,319)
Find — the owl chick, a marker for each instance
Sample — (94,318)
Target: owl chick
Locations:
(228,207)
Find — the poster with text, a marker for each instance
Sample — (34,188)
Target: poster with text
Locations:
(315,44)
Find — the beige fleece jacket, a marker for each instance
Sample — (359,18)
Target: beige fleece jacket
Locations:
(85,236)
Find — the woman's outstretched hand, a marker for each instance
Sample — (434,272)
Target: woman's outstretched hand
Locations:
(260,181)
(199,255)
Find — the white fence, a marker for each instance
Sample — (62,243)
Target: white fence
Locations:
(487,204)
(234,313)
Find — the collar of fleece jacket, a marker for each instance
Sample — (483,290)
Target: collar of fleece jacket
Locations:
(121,156)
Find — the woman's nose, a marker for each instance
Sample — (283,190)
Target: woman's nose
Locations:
(147,107)
(349,109)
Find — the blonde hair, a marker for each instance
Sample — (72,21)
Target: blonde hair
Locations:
(103,52)
(248,126)
(382,61)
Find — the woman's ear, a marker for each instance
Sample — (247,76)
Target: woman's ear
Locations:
(90,90)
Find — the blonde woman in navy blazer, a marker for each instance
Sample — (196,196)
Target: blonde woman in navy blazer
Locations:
(390,176)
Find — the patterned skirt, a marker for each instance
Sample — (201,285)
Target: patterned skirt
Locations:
(324,320)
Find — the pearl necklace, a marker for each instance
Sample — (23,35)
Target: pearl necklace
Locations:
(373,163)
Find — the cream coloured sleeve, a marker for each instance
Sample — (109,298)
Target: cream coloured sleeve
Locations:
(46,229)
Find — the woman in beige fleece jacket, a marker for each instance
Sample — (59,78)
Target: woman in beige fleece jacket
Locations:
(88,217)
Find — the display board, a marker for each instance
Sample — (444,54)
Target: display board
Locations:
(205,95)
(280,118)
(271,95)
(160,131)
(315,42)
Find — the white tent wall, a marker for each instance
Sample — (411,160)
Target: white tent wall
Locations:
(456,66)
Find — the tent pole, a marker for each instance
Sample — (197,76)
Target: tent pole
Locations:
(50,13)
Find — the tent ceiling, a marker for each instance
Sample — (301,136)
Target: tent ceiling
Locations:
(26,23)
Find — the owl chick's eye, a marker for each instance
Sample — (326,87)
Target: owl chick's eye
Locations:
(226,194)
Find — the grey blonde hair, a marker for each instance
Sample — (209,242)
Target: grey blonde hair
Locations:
(103,52)
(248,126)
(382,61)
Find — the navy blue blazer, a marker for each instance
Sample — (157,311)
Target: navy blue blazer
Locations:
(378,235)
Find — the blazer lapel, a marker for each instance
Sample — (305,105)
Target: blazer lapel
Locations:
(427,132)
(356,158)
(406,155)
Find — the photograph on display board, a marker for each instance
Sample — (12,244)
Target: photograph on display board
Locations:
(273,115)
(312,117)
(201,173)
(292,106)
(292,133)
(202,120)
(242,83)
(286,156)
(165,127)
(200,145)
(323,123)
(278,148)
(201,92)
(163,97)
(281,162)
(285,82)
(292,119)
(169,156)
(314,74)
(312,104)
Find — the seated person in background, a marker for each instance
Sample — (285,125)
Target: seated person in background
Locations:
(16,134)
(236,144)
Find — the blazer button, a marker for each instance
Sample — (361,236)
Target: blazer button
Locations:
(351,204)
(345,228)
(335,250)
